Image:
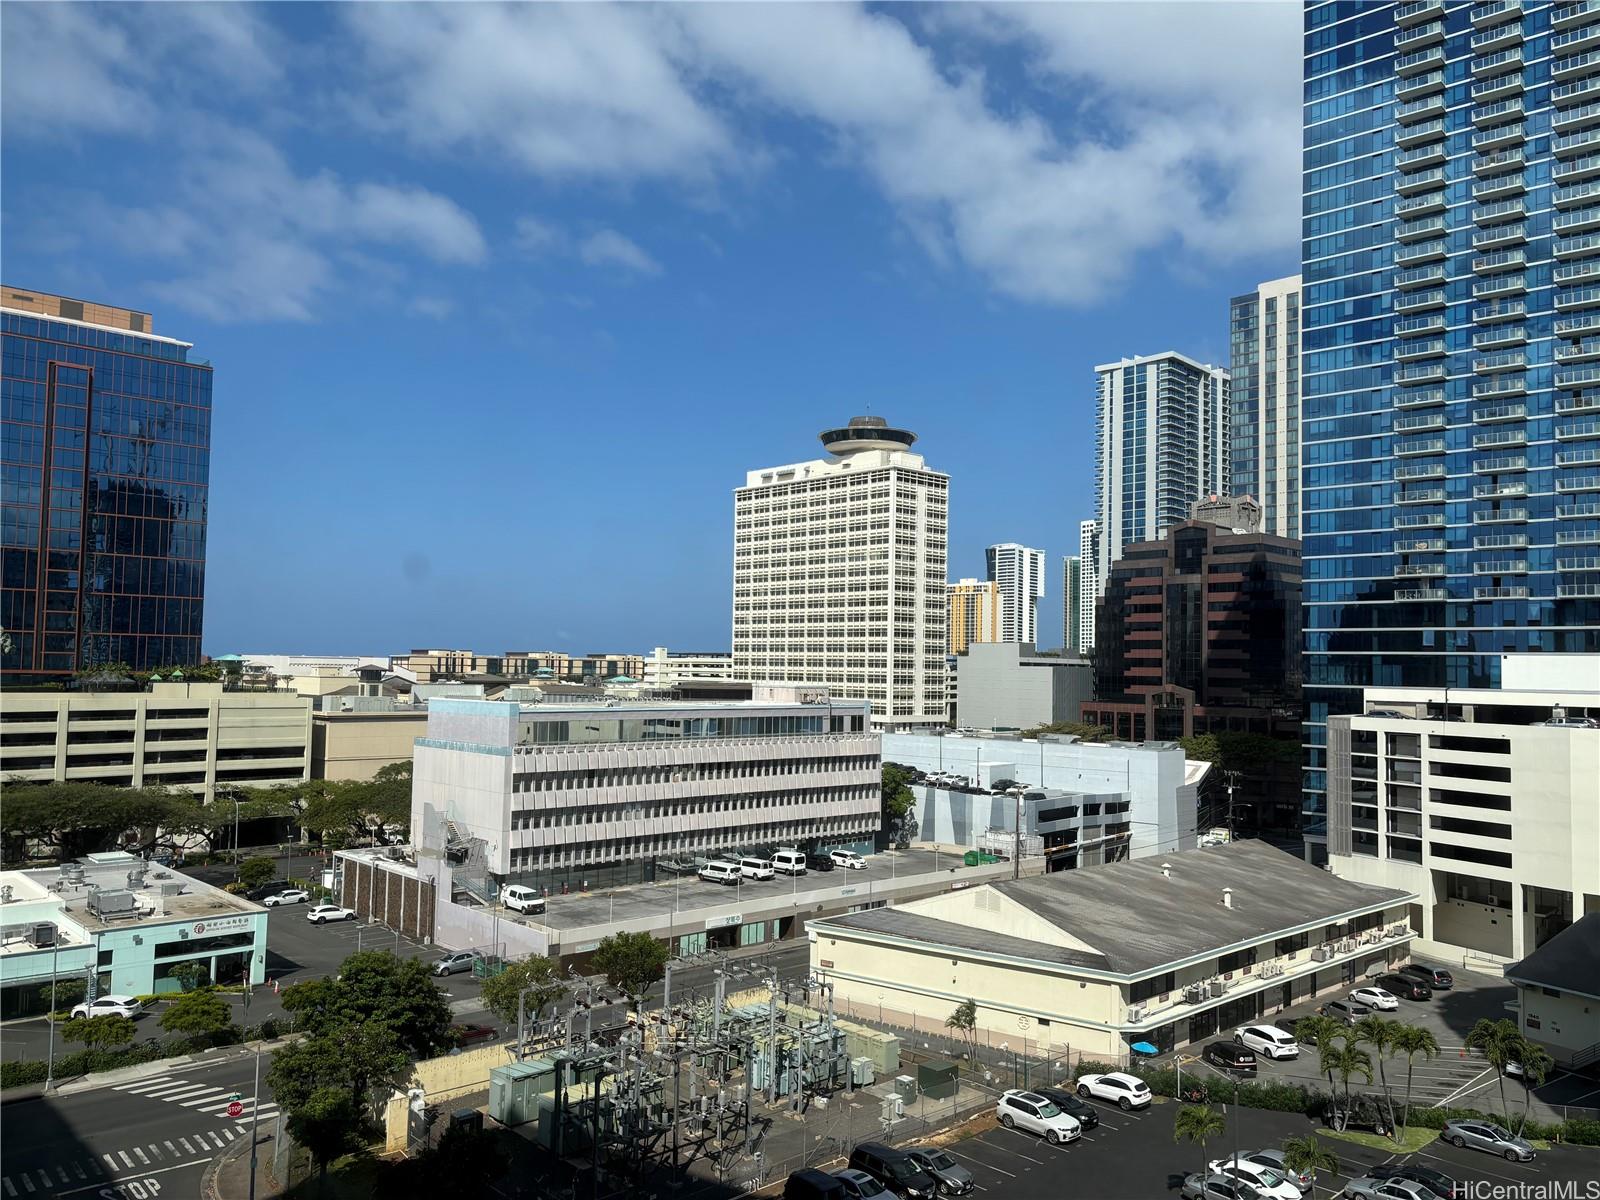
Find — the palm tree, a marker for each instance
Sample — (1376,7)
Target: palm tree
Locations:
(1536,1063)
(1323,1033)
(1412,1040)
(1307,1155)
(1379,1033)
(1500,1041)
(1197,1123)
(1345,1060)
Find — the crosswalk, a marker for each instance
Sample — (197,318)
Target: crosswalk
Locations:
(81,1175)
(202,1098)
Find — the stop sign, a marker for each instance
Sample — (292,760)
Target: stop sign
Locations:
(235,1109)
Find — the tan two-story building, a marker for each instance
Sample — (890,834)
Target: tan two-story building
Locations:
(1162,950)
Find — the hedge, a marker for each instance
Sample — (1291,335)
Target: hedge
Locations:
(86,1062)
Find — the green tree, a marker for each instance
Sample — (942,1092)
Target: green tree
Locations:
(202,1011)
(965,1021)
(897,795)
(358,1059)
(538,976)
(1345,1060)
(376,989)
(464,1162)
(99,1033)
(1325,1034)
(1307,1155)
(191,975)
(328,1124)
(1414,1041)
(253,872)
(1500,1042)
(1379,1033)
(632,962)
(1077,729)
(1536,1063)
(73,819)
(1197,1124)
(1201,747)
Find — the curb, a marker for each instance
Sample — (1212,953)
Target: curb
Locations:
(138,1071)
(208,1182)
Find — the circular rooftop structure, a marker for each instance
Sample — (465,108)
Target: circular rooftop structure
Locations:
(866,433)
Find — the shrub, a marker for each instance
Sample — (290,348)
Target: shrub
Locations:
(236,888)
(20,1074)
(67,993)
(1580,1132)
(149,999)
(1089,1067)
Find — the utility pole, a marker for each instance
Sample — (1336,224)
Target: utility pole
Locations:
(50,1060)
(1016,846)
(255,1122)
(1232,778)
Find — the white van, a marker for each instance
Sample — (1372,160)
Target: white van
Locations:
(789,862)
(755,868)
(848,859)
(720,872)
(522,899)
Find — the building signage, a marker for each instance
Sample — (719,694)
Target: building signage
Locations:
(216,925)
(724,922)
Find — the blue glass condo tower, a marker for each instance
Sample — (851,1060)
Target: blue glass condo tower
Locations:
(1451,339)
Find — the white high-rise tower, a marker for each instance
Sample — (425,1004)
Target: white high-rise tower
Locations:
(1088,583)
(839,570)
(1019,573)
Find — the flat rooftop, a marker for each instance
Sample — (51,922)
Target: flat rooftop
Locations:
(166,897)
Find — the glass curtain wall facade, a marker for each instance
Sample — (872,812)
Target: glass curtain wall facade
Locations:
(105,463)
(1451,342)
(1264,362)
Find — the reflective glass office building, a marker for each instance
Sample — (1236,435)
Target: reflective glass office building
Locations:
(1451,340)
(104,465)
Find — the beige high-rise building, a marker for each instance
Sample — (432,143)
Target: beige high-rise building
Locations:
(974,613)
(839,574)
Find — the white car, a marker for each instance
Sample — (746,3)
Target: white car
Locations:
(292,896)
(1125,1091)
(1031,1112)
(1267,1040)
(848,859)
(721,872)
(755,868)
(1376,999)
(1265,1180)
(323,913)
(108,1006)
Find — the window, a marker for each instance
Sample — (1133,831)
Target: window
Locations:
(1145,989)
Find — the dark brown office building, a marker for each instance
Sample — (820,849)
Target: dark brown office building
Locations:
(1200,633)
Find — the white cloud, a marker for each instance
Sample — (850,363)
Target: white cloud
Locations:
(535,237)
(608,248)
(436,307)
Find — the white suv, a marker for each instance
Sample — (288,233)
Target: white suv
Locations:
(848,859)
(1123,1090)
(108,1006)
(1032,1112)
(1267,1040)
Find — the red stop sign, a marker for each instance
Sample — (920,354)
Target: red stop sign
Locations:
(235,1109)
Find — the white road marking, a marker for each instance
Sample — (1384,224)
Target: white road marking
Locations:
(142,1157)
(28,1183)
(220,1143)
(187,1149)
(981,1163)
(148,1085)
(180,1092)
(11,1188)
(110,1162)
(156,1171)
(173,1150)
(123,1155)
(209,1096)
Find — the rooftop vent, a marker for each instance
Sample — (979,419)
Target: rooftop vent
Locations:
(1227,897)
(1166,870)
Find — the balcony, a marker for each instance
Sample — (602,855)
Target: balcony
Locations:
(1574,40)
(1505,310)
(1577,512)
(1576,247)
(1421,398)
(1419,85)
(1501,464)
(1498,438)
(1567,15)
(1408,185)
(1511,184)
(1500,593)
(1511,234)
(1500,210)
(1419,277)
(1410,326)
(1419,571)
(1504,566)
(1421,373)
(1582,562)
(1418,36)
(1407,256)
(1433,202)
(1490,164)
(1577,377)
(1419,521)
(1420,496)
(1577,221)
(1405,594)
(1410,449)
(1578,298)
(1409,351)
(1563,69)
(1498,285)
(1577,591)
(1509,84)
(1418,61)
(1412,231)
(1567,120)
(1418,301)
(1500,335)
(1576,430)
(1491,364)
(1499,491)
(1578,193)
(1576,326)
(1572,170)
(1420,110)
(1489,264)
(1500,516)
(1409,471)
(1433,420)
(1416,11)
(1498,38)
(1575,144)
(1493,114)
(1490,413)
(1578,483)
(1578,537)
(1420,546)
(1587,456)
(1423,156)
(1500,541)
(1576,352)
(1488,64)
(1578,404)
(1586,271)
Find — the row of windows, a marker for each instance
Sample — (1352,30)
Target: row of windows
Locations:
(634,776)
(797,798)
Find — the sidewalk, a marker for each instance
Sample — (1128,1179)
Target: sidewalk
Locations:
(149,1070)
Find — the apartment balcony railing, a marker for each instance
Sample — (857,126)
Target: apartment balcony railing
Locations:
(1565,120)
(1490,114)
(1499,285)
(1565,16)
(1420,398)
(1417,205)
(1509,84)
(1423,131)
(1579,220)
(1578,404)
(1576,91)
(1500,516)
(1573,247)
(1413,231)
(1497,38)
(1573,352)
(1573,144)
(1411,326)
(1420,546)
(1575,326)
(1495,186)
(1499,335)
(1578,537)
(1421,252)
(1435,420)
(1421,110)
(1419,85)
(1577,298)
(1577,591)
(1423,373)
(1500,541)
(1510,360)
(1419,181)
(1499,491)
(1506,385)
(1584,271)
(1563,69)
(1422,156)
(1516,592)
(1500,464)
(1488,64)
(1491,164)
(1509,234)
(1493,12)
(1504,310)
(1575,169)
(1419,61)
(1573,40)
(1420,496)
(1583,456)
(1431,34)
(1578,429)
(1415,570)
(1580,562)
(1578,193)
(1408,471)
(1432,593)
(1500,210)
(1418,520)
(1417,446)
(1418,277)
(1577,377)
(1512,134)
(1499,437)
(1577,512)
(1419,348)
(1579,483)
(1418,301)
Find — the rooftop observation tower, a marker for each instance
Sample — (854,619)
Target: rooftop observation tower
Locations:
(866,433)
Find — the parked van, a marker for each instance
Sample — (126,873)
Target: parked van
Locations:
(522,899)
(755,868)
(848,859)
(789,862)
(721,872)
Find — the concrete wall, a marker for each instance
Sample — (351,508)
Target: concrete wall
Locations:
(395,898)
(441,1080)
(1564,1024)
(1002,685)
(355,745)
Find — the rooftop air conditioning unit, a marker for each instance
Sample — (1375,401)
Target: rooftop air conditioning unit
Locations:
(1218,986)
(1136,1012)
(1194,993)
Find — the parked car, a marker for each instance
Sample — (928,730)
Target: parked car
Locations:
(1234,1059)
(454,964)
(756,868)
(789,862)
(1439,1184)
(808,1183)
(1488,1137)
(1217,1187)
(1293,1026)
(1391,714)
(1375,998)
(1407,987)
(1570,723)
(848,859)
(287,896)
(1071,1104)
(953,1179)
(1348,1011)
(1031,1112)
(1362,1112)
(1125,1091)
(1269,1181)
(465,1035)
(1271,1156)
(1437,978)
(1370,1187)
(1268,1040)
(895,1169)
(522,899)
(858,1185)
(820,862)
(271,888)
(108,1006)
(721,872)
(321,914)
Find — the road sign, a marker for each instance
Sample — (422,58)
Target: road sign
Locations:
(236,1109)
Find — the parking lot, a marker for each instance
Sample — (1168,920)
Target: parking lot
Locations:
(1133,1155)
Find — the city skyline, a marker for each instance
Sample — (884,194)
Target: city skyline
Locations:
(530,298)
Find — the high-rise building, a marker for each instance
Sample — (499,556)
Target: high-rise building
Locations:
(1089,585)
(1071,599)
(974,613)
(1019,573)
(1162,443)
(106,460)
(1264,443)
(1450,416)
(839,574)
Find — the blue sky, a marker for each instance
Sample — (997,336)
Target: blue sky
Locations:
(504,301)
